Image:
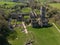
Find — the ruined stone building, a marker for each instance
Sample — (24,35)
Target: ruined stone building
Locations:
(41,20)
(34,21)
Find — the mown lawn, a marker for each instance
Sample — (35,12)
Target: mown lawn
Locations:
(45,36)
(41,36)
(26,10)
(21,38)
(10,4)
(55,5)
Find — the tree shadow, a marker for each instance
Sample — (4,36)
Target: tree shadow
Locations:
(4,41)
(13,35)
(49,25)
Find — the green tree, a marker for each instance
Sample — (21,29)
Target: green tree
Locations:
(4,27)
(4,31)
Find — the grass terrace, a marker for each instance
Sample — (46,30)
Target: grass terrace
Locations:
(10,4)
(15,21)
(26,10)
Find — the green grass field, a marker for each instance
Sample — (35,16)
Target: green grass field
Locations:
(26,10)
(46,36)
(55,5)
(42,36)
(21,38)
(10,4)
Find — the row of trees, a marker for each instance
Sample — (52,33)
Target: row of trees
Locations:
(4,25)
(4,31)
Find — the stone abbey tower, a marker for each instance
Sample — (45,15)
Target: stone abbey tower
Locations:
(43,18)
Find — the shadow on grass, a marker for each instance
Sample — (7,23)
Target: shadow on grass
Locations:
(4,41)
(13,35)
(49,25)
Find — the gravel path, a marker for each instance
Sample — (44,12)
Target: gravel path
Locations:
(25,29)
(56,27)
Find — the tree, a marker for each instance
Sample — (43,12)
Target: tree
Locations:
(3,41)
(4,31)
(4,28)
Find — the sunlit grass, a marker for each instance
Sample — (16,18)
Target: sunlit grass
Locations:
(55,5)
(45,36)
(26,10)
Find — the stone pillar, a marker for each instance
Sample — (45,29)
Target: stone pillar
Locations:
(43,12)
